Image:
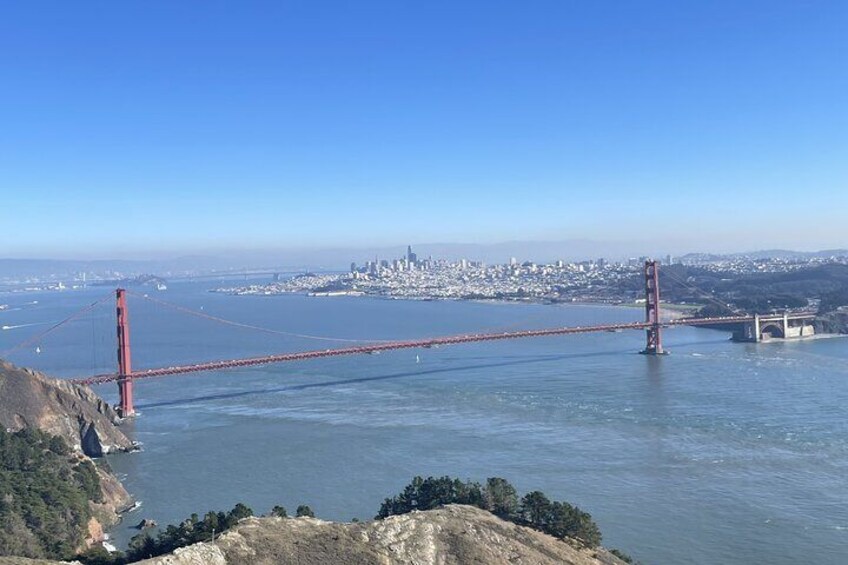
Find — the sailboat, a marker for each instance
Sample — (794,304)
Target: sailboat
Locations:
(37,349)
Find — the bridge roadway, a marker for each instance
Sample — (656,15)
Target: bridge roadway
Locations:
(413,344)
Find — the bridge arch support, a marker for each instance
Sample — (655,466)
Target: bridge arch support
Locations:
(771,330)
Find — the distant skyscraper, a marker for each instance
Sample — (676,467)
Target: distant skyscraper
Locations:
(410,256)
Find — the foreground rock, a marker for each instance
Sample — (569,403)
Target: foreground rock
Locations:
(449,535)
(29,399)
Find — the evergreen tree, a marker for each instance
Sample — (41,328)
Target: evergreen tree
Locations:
(535,508)
(304,511)
(500,497)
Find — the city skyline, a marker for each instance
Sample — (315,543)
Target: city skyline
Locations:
(164,130)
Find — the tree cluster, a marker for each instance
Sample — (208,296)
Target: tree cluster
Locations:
(559,519)
(192,530)
(45,491)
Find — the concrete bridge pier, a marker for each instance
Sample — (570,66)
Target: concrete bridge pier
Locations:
(748,332)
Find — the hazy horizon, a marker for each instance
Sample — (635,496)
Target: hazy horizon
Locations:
(341,256)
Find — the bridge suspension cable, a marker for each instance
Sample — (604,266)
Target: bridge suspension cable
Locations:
(704,294)
(242,325)
(39,336)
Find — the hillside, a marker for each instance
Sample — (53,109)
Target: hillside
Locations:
(453,535)
(450,535)
(823,288)
(87,426)
(46,492)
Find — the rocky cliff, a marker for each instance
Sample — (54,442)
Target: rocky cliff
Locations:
(446,536)
(84,420)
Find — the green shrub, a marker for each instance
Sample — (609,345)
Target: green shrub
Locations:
(304,511)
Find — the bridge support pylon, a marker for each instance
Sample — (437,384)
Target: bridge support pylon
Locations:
(653,345)
(125,380)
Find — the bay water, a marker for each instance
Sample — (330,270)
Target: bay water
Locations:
(718,453)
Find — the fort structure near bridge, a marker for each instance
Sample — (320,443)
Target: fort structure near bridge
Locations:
(750,328)
(776,326)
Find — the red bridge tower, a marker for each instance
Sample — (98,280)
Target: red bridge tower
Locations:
(653,345)
(125,384)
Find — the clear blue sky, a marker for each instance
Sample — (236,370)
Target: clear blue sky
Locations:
(170,127)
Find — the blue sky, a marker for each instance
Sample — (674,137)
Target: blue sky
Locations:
(145,128)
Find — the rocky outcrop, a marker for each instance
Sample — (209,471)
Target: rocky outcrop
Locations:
(95,531)
(83,419)
(453,535)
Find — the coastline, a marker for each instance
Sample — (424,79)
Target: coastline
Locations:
(671,310)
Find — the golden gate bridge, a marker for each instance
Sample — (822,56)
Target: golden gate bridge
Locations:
(753,328)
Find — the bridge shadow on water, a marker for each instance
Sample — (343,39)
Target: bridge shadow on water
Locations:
(512,361)
(506,361)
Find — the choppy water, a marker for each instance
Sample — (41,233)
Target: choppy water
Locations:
(718,453)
